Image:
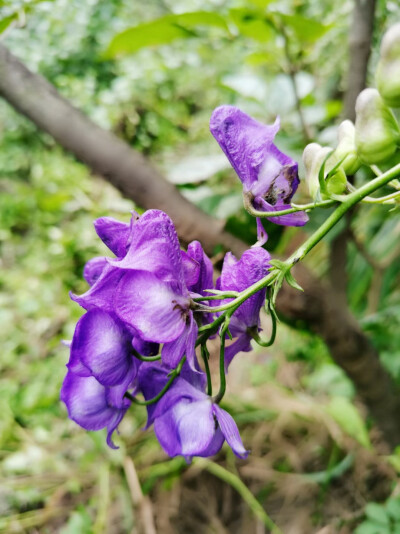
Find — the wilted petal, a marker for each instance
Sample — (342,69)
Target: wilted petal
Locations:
(245,141)
(151,306)
(230,431)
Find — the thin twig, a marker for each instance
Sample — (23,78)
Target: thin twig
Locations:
(139,500)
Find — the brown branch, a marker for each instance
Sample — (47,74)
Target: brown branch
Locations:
(105,154)
(360,38)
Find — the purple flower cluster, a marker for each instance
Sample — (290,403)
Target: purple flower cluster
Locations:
(140,329)
(141,303)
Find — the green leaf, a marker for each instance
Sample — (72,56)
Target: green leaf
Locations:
(347,416)
(4,23)
(306,30)
(377,513)
(252,23)
(292,282)
(393,508)
(370,527)
(162,31)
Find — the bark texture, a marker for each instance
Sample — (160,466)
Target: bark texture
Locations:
(349,347)
(360,41)
(129,172)
(105,154)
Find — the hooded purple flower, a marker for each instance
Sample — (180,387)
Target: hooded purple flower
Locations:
(238,275)
(94,406)
(186,421)
(151,295)
(269,177)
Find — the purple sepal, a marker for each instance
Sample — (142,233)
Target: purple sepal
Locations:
(101,294)
(114,234)
(238,275)
(102,345)
(157,309)
(93,269)
(269,176)
(230,431)
(173,351)
(205,277)
(191,269)
(88,404)
(241,344)
(154,248)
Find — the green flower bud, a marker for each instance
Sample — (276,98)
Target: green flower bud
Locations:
(377,132)
(388,70)
(346,149)
(313,157)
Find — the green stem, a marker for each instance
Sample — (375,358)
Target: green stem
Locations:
(205,355)
(350,201)
(145,358)
(256,336)
(174,373)
(237,484)
(222,378)
(304,207)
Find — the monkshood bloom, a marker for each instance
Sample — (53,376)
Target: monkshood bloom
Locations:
(146,285)
(186,421)
(238,275)
(101,369)
(269,177)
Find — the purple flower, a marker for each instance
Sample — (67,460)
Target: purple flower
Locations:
(186,421)
(94,406)
(151,295)
(238,275)
(269,177)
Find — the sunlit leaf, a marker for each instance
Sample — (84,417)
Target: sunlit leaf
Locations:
(4,23)
(162,31)
(305,29)
(252,23)
(347,416)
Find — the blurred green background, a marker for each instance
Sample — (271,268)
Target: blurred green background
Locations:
(155,84)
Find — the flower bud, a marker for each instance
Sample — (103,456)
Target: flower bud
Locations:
(313,158)
(346,149)
(388,70)
(377,132)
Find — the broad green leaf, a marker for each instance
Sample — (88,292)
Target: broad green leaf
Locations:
(252,23)
(4,23)
(162,31)
(370,527)
(347,416)
(306,30)
(376,512)
(393,508)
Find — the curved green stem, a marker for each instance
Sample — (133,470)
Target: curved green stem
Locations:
(145,358)
(256,336)
(206,355)
(174,373)
(222,378)
(295,207)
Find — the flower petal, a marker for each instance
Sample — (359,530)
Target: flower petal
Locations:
(230,431)
(245,141)
(102,344)
(241,344)
(114,234)
(93,269)
(191,269)
(151,306)
(154,248)
(172,352)
(205,278)
(101,294)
